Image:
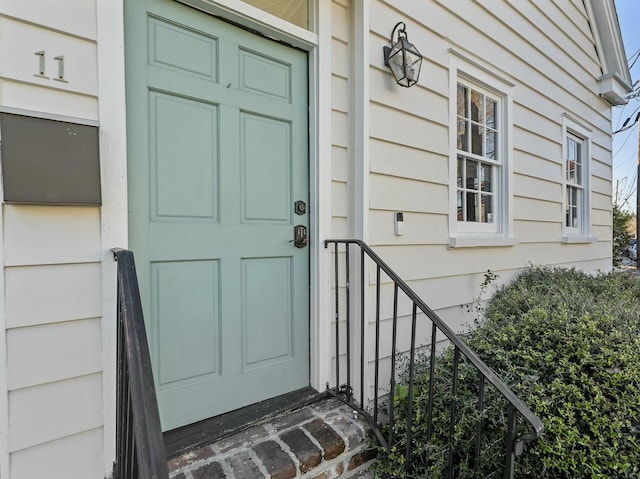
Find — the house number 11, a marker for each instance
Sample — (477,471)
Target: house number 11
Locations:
(42,63)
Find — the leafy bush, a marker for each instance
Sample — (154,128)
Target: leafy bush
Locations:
(621,221)
(568,344)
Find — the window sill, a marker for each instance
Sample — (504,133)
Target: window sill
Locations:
(479,241)
(577,239)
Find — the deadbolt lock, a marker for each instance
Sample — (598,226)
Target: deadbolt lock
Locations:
(300,207)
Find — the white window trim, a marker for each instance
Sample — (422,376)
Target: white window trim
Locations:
(474,74)
(581,235)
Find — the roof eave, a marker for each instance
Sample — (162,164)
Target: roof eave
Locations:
(615,84)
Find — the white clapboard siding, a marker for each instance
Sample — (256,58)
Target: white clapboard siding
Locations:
(51,234)
(403,194)
(52,293)
(31,97)
(64,350)
(76,456)
(402,161)
(64,17)
(340,94)
(52,411)
(20,40)
(339,163)
(340,28)
(421,228)
(440,262)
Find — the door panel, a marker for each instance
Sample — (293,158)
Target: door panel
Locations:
(218,154)
(186,188)
(266,178)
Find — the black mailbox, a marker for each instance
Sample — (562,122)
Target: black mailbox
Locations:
(49,162)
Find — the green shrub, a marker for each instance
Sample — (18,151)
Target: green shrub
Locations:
(568,344)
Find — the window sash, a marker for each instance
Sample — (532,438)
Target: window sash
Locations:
(478,143)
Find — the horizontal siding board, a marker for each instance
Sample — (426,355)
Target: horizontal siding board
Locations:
(64,17)
(600,201)
(79,456)
(397,194)
(340,22)
(339,163)
(340,58)
(538,231)
(339,129)
(340,94)
(50,294)
(419,228)
(531,187)
(44,413)
(600,217)
(602,232)
(524,140)
(599,185)
(403,161)
(530,165)
(43,99)
(64,350)
(537,210)
(51,234)
(339,195)
(339,227)
(385,91)
(408,130)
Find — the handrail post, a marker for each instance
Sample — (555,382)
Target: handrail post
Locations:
(139,440)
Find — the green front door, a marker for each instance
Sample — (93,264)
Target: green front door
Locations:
(218,156)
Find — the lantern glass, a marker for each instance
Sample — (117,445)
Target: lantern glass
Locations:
(405,62)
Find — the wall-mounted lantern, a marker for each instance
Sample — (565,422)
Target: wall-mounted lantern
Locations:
(403,58)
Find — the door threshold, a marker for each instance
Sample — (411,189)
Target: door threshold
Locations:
(179,440)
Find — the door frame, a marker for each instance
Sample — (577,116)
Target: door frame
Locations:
(317,45)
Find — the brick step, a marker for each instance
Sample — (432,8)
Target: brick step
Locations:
(325,440)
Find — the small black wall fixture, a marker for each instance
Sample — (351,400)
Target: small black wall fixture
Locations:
(403,58)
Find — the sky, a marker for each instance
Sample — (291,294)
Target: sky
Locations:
(625,144)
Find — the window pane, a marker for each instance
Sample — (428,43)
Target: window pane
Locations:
(571,171)
(487,209)
(578,179)
(486,181)
(574,217)
(460,172)
(472,175)
(477,107)
(460,208)
(462,101)
(571,149)
(463,135)
(472,213)
(491,147)
(491,113)
(476,139)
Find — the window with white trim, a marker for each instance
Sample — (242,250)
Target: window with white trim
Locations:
(480,109)
(576,154)
(478,132)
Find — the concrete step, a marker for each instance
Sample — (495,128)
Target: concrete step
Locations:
(325,440)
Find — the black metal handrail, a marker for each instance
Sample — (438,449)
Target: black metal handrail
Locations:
(514,443)
(140,451)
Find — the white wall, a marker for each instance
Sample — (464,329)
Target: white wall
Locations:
(58,294)
(547,53)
